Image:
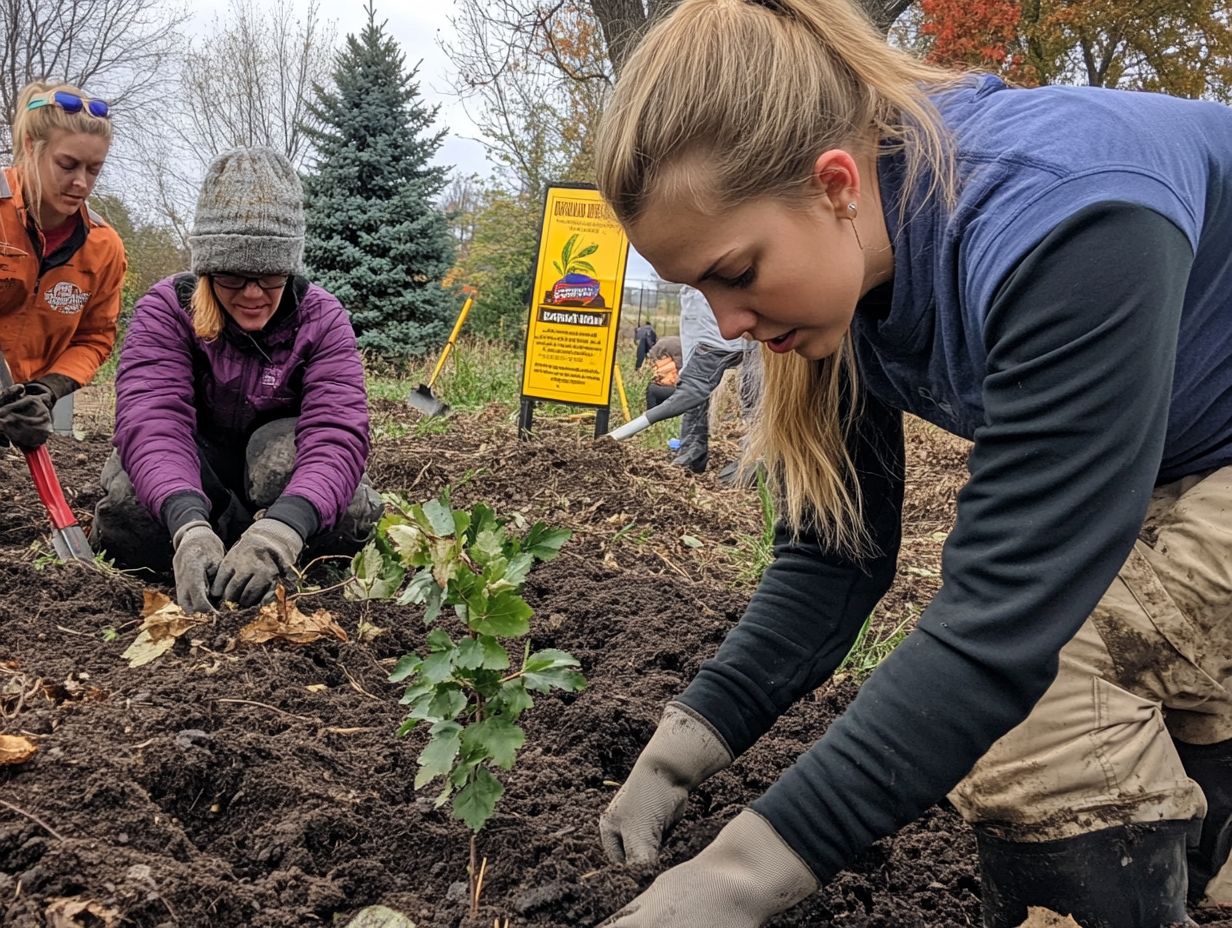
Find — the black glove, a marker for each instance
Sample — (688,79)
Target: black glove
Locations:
(254,565)
(25,414)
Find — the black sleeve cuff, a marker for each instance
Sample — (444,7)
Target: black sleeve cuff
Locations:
(60,385)
(181,508)
(296,512)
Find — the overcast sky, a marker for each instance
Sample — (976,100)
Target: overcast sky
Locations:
(418,26)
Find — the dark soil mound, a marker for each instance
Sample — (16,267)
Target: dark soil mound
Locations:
(229,786)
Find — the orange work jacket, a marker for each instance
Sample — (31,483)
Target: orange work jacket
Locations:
(62,321)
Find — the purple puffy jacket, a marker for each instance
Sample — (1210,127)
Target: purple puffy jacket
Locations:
(172,384)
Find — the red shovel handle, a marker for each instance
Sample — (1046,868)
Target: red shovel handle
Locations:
(48,485)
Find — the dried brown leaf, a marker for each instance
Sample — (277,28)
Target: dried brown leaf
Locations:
(15,749)
(282,620)
(163,623)
(64,912)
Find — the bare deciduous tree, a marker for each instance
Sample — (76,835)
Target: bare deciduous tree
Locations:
(117,49)
(250,81)
(534,76)
(245,82)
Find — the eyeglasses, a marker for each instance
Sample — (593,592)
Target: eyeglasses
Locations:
(71,103)
(239,282)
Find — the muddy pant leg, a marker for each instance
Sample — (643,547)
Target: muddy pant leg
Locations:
(356,527)
(131,535)
(270,463)
(1152,662)
(123,528)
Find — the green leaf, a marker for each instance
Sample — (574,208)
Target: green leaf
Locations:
(588,250)
(461,521)
(495,657)
(373,576)
(543,542)
(436,760)
(515,573)
(559,270)
(440,518)
(467,587)
(448,703)
(690,541)
(513,698)
(410,544)
(488,546)
(584,266)
(439,640)
(481,518)
(475,801)
(432,606)
(499,739)
(407,727)
(406,666)
(438,667)
(551,668)
(470,654)
(418,590)
(416,691)
(507,616)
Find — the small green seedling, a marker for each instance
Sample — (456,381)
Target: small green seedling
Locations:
(466,569)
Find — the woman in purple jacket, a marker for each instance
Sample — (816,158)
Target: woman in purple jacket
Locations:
(241,415)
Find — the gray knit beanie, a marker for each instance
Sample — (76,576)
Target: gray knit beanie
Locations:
(250,215)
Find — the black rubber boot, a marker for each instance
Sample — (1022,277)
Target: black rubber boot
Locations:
(1210,765)
(1127,876)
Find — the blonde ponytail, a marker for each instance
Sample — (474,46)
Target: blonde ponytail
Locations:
(754,90)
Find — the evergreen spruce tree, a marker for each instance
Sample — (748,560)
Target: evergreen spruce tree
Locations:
(375,238)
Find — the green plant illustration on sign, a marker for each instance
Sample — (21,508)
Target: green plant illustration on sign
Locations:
(571,263)
(466,687)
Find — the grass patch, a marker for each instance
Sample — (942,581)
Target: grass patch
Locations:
(872,647)
(753,554)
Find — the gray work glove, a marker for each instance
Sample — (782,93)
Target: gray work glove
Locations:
(198,552)
(254,565)
(25,414)
(683,752)
(741,879)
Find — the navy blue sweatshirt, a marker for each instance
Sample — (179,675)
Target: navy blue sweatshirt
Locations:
(1073,316)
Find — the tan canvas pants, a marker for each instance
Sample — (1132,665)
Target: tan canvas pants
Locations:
(1153,662)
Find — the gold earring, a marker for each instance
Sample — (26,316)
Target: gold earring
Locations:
(851,214)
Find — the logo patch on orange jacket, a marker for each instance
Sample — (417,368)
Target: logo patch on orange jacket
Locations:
(67,298)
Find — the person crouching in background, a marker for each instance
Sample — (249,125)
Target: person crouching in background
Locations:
(241,413)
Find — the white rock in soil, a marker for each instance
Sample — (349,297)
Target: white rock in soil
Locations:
(378,916)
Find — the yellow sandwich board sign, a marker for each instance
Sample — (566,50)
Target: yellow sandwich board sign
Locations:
(575,305)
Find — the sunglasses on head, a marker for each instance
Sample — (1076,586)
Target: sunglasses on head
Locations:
(239,281)
(71,103)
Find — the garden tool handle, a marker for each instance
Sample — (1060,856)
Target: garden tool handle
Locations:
(453,337)
(48,486)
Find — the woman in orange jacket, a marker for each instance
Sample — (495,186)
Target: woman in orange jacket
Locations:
(61,266)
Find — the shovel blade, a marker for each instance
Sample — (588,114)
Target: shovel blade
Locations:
(422,400)
(70,544)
